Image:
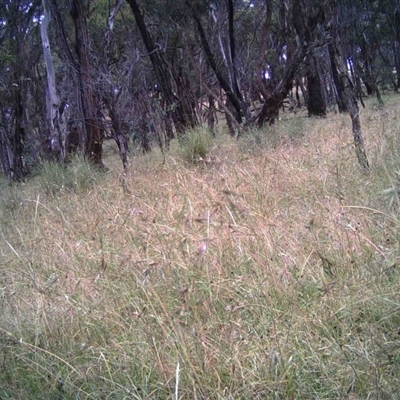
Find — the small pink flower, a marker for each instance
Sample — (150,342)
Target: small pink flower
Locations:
(202,248)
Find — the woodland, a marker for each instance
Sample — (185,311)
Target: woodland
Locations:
(74,73)
(199,199)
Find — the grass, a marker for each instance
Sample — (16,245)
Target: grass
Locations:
(77,175)
(196,145)
(270,273)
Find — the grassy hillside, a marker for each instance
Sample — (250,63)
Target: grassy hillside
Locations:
(267,270)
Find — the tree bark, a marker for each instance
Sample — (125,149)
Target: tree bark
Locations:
(160,66)
(94,133)
(5,148)
(111,101)
(232,93)
(304,22)
(316,104)
(346,88)
(18,140)
(55,122)
(340,98)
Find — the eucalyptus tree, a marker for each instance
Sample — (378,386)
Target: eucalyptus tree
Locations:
(56,122)
(343,83)
(111,91)
(220,53)
(18,77)
(358,29)
(290,28)
(167,83)
(390,9)
(140,67)
(79,11)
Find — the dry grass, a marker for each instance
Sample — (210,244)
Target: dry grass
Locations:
(270,270)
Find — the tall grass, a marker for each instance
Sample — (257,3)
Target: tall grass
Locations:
(196,145)
(269,274)
(75,176)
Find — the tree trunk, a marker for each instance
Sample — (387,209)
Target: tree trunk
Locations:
(232,93)
(18,140)
(186,98)
(345,87)
(396,56)
(340,99)
(56,126)
(270,110)
(111,101)
(211,115)
(6,157)
(316,104)
(94,132)
(396,47)
(75,129)
(174,106)
(304,22)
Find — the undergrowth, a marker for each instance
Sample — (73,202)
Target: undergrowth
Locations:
(264,274)
(196,145)
(77,175)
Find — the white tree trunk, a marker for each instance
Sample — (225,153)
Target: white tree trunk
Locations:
(55,124)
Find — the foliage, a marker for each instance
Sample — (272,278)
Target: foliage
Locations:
(159,75)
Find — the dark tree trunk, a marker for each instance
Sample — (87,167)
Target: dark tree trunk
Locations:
(186,98)
(346,88)
(117,133)
(367,71)
(144,134)
(270,110)
(231,89)
(396,47)
(75,129)
(111,101)
(356,77)
(211,113)
(174,105)
(229,119)
(232,67)
(369,86)
(274,99)
(94,131)
(316,104)
(304,22)
(336,80)
(396,56)
(18,140)
(5,148)
(169,131)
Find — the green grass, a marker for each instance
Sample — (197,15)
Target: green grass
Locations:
(75,176)
(266,273)
(196,145)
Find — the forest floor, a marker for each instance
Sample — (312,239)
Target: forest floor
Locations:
(268,270)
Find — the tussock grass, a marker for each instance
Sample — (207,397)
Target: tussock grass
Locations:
(196,145)
(269,274)
(76,176)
